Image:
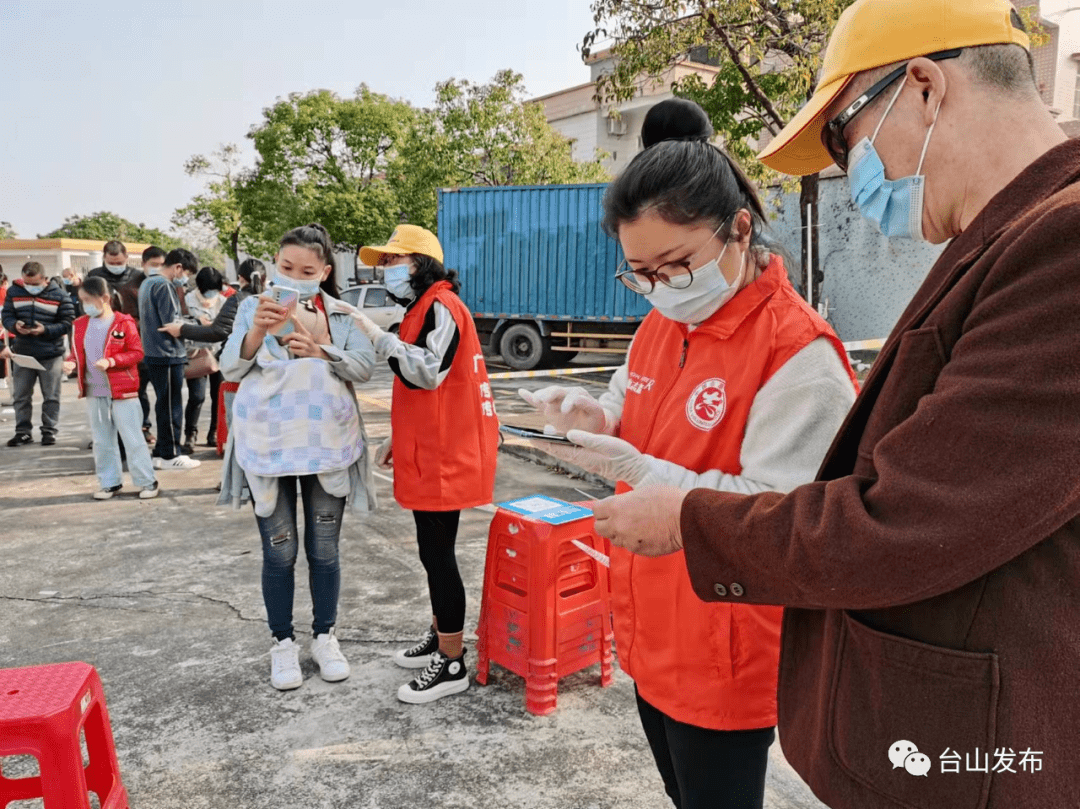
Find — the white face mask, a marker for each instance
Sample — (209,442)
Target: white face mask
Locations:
(702,299)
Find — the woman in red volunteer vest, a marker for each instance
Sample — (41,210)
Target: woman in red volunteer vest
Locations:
(444,438)
(731,383)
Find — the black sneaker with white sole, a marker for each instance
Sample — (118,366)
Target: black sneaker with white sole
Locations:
(419,655)
(442,676)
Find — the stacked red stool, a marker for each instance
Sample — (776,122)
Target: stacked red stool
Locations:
(42,711)
(546,607)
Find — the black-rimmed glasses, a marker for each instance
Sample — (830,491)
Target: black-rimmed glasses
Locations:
(832,134)
(675,274)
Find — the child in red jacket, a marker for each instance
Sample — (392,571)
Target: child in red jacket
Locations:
(106,350)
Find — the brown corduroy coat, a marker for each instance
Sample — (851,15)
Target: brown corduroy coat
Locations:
(932,573)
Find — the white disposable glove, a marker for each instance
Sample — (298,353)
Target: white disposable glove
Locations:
(568,409)
(384,457)
(367,325)
(604,455)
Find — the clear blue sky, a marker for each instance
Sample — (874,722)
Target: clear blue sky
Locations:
(104,100)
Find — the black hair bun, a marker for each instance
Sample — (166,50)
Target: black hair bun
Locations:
(675,119)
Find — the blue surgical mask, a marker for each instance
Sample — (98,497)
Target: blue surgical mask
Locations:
(93,311)
(210,294)
(307,287)
(895,206)
(67,282)
(34,290)
(116,269)
(396,279)
(180,282)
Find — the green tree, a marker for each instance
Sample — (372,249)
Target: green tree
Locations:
(323,158)
(218,208)
(104,226)
(7,231)
(483,134)
(768,54)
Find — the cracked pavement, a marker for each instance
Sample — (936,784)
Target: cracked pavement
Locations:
(163,598)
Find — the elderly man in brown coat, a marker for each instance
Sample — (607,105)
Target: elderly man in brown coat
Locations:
(931,649)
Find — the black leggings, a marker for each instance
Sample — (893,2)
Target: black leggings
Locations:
(436,533)
(701,768)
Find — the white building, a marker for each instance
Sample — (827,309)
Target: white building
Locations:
(577,114)
(57,255)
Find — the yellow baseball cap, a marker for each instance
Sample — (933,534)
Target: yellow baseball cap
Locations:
(405,240)
(875,33)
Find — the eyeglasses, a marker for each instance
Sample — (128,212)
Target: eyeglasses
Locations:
(675,274)
(832,134)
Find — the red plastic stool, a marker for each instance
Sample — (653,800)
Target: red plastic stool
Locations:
(546,607)
(222,418)
(42,710)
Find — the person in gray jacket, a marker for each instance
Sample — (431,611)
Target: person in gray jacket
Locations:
(160,303)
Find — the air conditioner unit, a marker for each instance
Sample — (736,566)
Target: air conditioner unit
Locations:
(616,126)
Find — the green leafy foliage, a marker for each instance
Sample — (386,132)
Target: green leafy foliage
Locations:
(361,165)
(217,209)
(7,231)
(767,53)
(104,226)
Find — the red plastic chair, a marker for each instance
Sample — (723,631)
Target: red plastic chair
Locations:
(42,711)
(545,612)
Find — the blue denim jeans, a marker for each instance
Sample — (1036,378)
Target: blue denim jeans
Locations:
(280,542)
(108,419)
(22,393)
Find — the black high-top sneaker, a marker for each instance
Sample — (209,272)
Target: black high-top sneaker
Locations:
(419,655)
(442,676)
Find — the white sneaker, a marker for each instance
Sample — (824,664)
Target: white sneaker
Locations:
(333,667)
(285,665)
(179,462)
(150,492)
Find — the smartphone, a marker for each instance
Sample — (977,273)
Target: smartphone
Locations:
(536,435)
(287,297)
(284,296)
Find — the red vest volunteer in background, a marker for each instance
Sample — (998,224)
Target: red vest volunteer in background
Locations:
(444,439)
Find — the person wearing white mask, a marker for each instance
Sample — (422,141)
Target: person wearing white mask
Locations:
(444,439)
(732,383)
(204,303)
(106,351)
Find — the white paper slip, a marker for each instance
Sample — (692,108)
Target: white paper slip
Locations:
(593,553)
(26,361)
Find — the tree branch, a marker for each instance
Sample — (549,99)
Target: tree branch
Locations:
(751,84)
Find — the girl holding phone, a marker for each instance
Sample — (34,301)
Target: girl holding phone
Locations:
(296,427)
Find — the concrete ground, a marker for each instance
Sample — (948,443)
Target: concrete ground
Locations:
(163,598)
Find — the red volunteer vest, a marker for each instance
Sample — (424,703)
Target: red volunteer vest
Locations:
(713,665)
(445,441)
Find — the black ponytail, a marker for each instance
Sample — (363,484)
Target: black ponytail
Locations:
(681,175)
(315,237)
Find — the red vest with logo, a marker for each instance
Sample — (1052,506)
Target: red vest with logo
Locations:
(713,665)
(445,441)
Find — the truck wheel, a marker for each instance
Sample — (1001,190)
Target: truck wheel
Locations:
(522,347)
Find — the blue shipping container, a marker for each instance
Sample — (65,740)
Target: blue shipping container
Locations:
(535,252)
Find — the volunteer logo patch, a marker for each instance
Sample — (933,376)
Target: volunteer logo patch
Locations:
(707,404)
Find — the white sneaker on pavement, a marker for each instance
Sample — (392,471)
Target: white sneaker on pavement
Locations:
(285,665)
(150,492)
(179,462)
(333,667)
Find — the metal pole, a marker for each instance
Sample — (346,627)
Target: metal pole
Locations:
(809,256)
